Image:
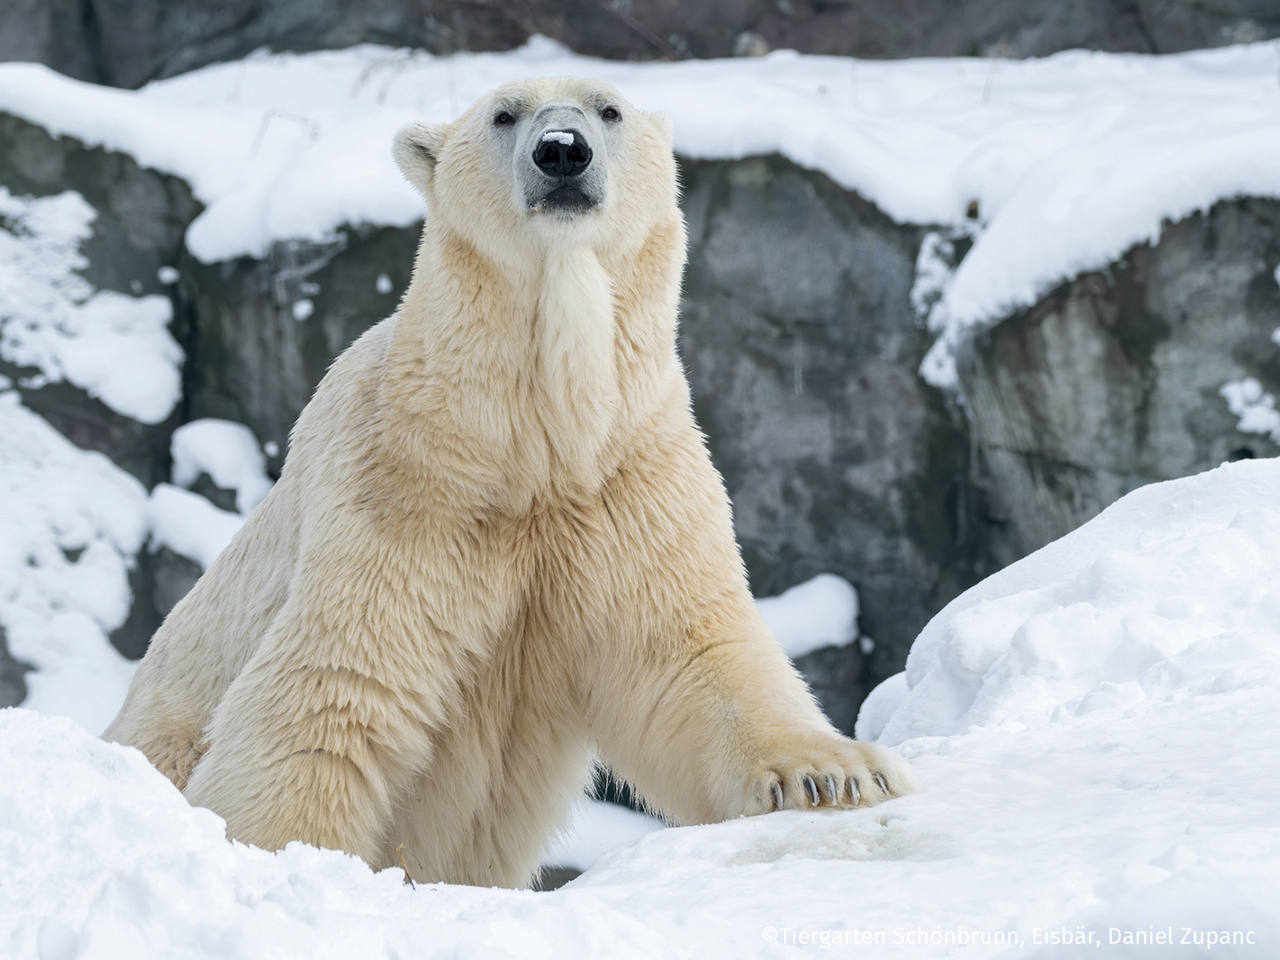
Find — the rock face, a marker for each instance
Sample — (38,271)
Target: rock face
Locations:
(1112,381)
(13,686)
(802,348)
(259,335)
(128,42)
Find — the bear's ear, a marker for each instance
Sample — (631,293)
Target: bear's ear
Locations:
(416,147)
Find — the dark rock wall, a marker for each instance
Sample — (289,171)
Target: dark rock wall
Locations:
(1111,381)
(13,685)
(801,347)
(254,354)
(128,42)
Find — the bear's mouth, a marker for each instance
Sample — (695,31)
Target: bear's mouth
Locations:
(568,198)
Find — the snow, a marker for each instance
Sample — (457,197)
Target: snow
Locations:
(115,347)
(822,612)
(1172,593)
(70,525)
(558,136)
(188,524)
(1096,724)
(1065,162)
(228,452)
(595,828)
(1255,408)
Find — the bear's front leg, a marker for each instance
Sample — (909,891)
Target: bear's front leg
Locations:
(719,724)
(307,752)
(694,701)
(330,721)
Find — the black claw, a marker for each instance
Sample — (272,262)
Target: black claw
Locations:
(884,784)
(812,789)
(832,795)
(777,796)
(854,793)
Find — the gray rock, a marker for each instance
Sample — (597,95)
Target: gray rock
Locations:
(553,878)
(13,685)
(158,580)
(801,347)
(250,358)
(128,42)
(1112,380)
(834,674)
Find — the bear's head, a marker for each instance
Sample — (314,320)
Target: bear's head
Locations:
(545,162)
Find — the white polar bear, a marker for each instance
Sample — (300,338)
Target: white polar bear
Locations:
(498,544)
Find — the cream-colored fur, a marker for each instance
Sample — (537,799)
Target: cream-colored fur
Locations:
(498,545)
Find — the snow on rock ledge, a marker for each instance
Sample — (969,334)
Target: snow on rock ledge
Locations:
(1172,592)
(1065,161)
(115,347)
(70,524)
(822,612)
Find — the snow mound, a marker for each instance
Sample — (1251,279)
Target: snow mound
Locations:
(822,612)
(104,858)
(115,347)
(228,452)
(1172,592)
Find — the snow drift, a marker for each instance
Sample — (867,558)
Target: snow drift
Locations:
(1096,724)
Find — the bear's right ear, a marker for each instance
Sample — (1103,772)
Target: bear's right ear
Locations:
(416,147)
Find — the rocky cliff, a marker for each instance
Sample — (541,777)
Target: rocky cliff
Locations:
(128,42)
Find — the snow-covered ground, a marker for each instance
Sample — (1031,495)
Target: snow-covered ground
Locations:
(1097,725)
(1053,166)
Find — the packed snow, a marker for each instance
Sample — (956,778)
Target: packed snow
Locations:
(1096,724)
(1053,166)
(595,828)
(115,347)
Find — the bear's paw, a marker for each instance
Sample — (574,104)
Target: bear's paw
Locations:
(838,774)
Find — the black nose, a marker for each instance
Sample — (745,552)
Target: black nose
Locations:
(562,152)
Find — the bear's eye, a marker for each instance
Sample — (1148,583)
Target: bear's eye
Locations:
(504,119)
(611,113)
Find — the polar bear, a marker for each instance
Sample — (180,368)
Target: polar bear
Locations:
(498,544)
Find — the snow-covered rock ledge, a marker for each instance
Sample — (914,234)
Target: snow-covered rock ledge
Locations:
(1096,724)
(1051,166)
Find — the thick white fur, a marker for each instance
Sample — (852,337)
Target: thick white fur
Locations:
(498,544)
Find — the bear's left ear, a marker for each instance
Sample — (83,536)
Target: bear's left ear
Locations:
(416,147)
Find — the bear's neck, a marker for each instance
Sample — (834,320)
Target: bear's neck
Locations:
(557,366)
